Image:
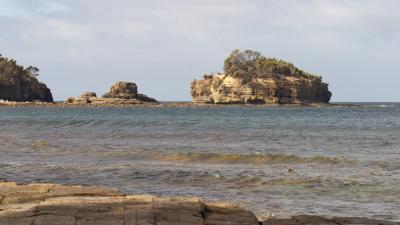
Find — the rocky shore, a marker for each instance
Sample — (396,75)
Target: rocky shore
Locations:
(51,204)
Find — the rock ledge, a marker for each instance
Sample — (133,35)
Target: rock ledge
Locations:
(51,204)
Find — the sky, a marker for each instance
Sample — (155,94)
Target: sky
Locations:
(87,45)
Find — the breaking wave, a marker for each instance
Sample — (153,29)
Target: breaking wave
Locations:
(232,158)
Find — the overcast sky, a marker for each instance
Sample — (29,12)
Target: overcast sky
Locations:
(86,45)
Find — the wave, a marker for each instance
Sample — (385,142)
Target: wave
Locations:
(231,158)
(382,106)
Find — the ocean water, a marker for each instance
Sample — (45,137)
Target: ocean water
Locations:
(335,161)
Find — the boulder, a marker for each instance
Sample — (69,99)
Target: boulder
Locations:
(125,90)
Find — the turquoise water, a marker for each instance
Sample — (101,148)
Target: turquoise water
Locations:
(342,161)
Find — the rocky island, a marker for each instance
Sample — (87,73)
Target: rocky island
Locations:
(120,94)
(250,78)
(51,204)
(20,84)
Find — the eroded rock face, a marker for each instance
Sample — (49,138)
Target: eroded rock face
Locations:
(225,89)
(48,204)
(125,90)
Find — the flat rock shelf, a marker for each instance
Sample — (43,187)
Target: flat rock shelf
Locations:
(51,204)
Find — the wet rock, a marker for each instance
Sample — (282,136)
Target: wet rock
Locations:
(319,220)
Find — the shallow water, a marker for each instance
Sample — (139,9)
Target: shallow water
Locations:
(342,161)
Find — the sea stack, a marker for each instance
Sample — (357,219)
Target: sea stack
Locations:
(20,84)
(250,78)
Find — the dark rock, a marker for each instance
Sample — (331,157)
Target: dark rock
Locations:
(145,98)
(19,84)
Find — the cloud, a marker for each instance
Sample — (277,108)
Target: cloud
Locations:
(162,45)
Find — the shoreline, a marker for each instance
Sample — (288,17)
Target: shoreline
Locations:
(52,204)
(172,104)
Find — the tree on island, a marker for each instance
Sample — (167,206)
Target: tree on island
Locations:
(248,65)
(18,83)
(33,71)
(9,67)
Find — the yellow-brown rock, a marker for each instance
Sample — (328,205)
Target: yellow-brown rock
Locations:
(225,89)
(49,204)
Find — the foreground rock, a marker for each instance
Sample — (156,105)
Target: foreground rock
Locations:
(120,94)
(49,204)
(250,78)
(20,84)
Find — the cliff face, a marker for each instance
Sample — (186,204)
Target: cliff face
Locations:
(19,84)
(221,88)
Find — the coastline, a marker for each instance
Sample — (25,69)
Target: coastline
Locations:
(170,104)
(52,204)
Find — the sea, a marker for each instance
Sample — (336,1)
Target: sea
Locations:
(341,160)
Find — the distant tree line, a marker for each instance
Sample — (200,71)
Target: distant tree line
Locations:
(10,68)
(249,64)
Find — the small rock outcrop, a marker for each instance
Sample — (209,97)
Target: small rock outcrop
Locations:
(250,78)
(120,94)
(21,84)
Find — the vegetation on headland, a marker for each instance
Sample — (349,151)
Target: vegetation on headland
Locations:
(19,83)
(249,64)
